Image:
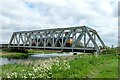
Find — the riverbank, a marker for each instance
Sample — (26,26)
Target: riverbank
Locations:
(13,55)
(78,66)
(7,53)
(43,51)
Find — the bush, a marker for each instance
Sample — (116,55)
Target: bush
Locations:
(7,50)
(110,51)
(14,50)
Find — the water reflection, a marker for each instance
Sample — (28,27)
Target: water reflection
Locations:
(4,61)
(53,55)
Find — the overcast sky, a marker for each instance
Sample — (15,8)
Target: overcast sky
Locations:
(19,15)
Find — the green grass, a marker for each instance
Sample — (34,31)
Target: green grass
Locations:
(13,55)
(89,66)
(79,66)
(33,51)
(104,65)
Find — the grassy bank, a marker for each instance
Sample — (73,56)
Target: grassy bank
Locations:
(13,55)
(7,53)
(104,65)
(33,51)
(78,66)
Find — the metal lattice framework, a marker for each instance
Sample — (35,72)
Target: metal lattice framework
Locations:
(57,39)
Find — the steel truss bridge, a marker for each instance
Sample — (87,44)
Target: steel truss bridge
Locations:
(81,38)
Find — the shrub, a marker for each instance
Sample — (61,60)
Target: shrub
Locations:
(110,51)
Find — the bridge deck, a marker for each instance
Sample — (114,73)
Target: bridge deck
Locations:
(70,49)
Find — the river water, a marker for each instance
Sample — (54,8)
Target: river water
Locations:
(4,61)
(49,55)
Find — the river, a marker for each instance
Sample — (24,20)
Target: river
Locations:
(4,61)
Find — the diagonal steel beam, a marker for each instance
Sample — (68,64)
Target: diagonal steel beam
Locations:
(46,33)
(16,38)
(58,37)
(101,40)
(88,41)
(28,38)
(21,38)
(48,39)
(78,39)
(11,40)
(95,44)
(67,37)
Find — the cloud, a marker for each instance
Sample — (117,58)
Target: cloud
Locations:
(19,15)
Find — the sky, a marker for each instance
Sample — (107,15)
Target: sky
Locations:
(22,15)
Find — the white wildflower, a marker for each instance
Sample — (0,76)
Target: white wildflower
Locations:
(24,76)
(8,76)
(30,74)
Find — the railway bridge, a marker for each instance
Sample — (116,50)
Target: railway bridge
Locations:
(80,38)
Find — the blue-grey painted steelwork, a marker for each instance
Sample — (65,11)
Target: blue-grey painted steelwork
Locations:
(59,38)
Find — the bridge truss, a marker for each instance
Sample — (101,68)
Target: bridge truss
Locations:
(81,38)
